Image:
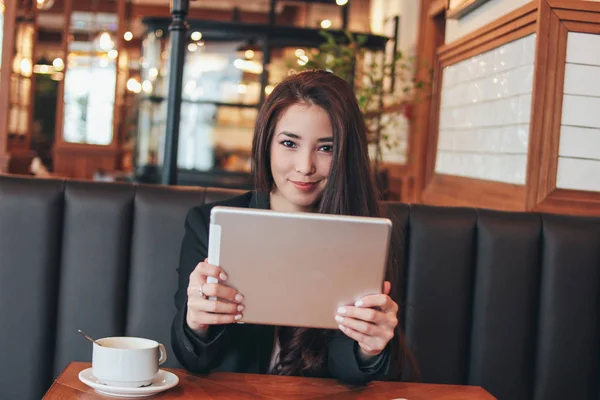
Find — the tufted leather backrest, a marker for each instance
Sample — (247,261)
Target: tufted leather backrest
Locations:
(507,301)
(31,217)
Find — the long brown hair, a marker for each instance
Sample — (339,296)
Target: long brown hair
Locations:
(350,190)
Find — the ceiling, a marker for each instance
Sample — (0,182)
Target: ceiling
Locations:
(83,21)
(245,5)
(254,5)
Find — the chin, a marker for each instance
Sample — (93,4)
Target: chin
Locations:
(303,200)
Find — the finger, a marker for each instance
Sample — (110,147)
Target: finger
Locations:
(383,301)
(201,319)
(365,314)
(200,304)
(363,327)
(222,292)
(204,270)
(387,287)
(370,343)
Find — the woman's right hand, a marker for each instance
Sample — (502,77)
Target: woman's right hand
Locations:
(202,312)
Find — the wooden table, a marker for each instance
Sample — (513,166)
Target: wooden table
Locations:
(245,386)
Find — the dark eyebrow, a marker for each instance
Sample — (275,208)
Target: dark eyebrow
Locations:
(297,137)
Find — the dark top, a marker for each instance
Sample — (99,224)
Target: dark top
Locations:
(247,348)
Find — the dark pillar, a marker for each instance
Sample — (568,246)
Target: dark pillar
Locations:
(178,32)
(394,51)
(272,5)
(345,15)
(266,49)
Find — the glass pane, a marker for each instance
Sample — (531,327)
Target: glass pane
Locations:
(22,62)
(49,59)
(18,116)
(151,128)
(226,72)
(283,61)
(232,137)
(89,99)
(13,119)
(220,96)
(25,91)
(154,66)
(23,119)
(90,79)
(195,145)
(15,89)
(214,136)
(22,71)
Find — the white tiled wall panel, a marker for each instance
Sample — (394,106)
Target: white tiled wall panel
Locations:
(578,174)
(508,139)
(578,142)
(579,149)
(582,48)
(581,110)
(582,79)
(485,114)
(492,167)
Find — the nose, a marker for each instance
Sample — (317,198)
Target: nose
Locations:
(305,163)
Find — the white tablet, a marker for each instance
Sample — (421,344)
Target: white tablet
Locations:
(296,269)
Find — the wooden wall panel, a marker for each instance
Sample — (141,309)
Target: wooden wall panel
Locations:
(449,190)
(82,161)
(510,27)
(547,95)
(551,20)
(8,45)
(399,182)
(432,28)
(557,18)
(4,160)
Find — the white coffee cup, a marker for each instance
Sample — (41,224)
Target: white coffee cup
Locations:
(127,361)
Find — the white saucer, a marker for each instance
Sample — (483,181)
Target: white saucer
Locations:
(162,381)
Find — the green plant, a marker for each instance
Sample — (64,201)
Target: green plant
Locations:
(384,84)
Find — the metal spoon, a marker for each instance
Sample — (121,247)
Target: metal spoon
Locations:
(88,338)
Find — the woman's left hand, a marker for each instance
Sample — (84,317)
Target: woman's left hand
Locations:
(371,321)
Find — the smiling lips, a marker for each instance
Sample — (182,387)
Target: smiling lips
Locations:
(305,186)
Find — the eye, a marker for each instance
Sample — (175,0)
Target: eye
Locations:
(326,148)
(288,143)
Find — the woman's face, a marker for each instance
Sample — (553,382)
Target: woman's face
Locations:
(301,153)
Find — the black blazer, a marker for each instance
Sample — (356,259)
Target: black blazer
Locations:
(245,347)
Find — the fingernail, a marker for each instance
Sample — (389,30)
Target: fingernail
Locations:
(238,317)
(241,307)
(359,303)
(341,310)
(342,327)
(339,319)
(223,276)
(239,298)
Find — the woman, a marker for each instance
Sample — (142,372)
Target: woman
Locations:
(309,155)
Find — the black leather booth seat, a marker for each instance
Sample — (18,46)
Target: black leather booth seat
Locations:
(507,301)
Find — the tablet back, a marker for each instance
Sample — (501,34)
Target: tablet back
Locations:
(296,269)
